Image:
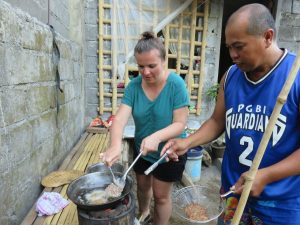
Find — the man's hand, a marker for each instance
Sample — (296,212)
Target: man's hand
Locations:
(258,185)
(175,148)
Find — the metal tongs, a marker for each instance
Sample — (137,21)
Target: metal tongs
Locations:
(154,165)
(231,190)
(120,181)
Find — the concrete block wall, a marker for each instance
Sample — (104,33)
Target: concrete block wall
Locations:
(38,124)
(288,24)
(212,53)
(91,47)
(54,12)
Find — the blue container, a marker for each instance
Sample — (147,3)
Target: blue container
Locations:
(194,163)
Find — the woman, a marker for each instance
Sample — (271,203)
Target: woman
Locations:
(158,101)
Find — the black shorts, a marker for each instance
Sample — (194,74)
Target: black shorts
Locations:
(169,171)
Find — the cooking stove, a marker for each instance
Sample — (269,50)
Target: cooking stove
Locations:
(122,214)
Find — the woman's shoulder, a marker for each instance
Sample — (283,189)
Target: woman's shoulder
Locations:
(175,79)
(135,82)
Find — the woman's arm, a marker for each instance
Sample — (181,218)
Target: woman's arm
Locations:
(177,126)
(112,153)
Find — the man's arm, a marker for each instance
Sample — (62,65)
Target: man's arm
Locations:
(209,131)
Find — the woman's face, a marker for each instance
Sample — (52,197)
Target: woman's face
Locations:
(150,65)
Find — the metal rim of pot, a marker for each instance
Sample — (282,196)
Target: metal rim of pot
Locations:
(102,167)
(97,180)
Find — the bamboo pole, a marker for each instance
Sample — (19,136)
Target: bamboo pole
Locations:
(167,37)
(114,57)
(190,79)
(126,78)
(100,56)
(265,139)
(179,43)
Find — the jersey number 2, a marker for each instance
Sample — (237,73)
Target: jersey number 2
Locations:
(246,141)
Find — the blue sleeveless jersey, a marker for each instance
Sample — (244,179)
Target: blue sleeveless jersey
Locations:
(249,106)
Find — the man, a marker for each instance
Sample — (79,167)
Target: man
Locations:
(246,99)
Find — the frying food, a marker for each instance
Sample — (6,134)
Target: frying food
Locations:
(113,190)
(196,212)
(96,197)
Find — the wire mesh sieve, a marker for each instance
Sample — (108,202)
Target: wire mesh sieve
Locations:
(203,196)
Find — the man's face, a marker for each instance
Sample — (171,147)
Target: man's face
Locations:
(245,50)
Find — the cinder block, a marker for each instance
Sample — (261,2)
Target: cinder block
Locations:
(22,66)
(43,129)
(76,52)
(91,111)
(91,48)
(286,33)
(23,30)
(40,99)
(91,4)
(14,105)
(92,96)
(64,46)
(3,78)
(91,64)
(91,32)
(91,16)
(296,7)
(91,80)
(287,6)
(65,68)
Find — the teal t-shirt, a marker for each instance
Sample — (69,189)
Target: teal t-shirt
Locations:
(151,116)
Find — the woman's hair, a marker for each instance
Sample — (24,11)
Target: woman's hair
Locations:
(149,41)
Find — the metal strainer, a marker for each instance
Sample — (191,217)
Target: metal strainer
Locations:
(207,198)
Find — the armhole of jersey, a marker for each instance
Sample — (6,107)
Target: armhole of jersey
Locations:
(226,76)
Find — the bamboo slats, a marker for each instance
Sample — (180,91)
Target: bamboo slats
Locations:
(85,153)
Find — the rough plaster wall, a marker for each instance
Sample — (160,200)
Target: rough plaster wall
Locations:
(54,12)
(34,138)
(288,24)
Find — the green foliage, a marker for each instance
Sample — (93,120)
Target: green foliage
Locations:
(213,91)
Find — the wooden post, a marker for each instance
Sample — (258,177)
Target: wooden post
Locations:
(265,139)
(202,59)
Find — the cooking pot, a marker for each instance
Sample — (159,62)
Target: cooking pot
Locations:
(102,167)
(96,181)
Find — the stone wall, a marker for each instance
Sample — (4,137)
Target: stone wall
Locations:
(91,47)
(38,124)
(288,24)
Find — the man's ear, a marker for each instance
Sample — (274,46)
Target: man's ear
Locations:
(269,36)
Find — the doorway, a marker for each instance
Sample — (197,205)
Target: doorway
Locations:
(229,7)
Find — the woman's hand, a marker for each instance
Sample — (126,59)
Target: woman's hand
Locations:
(110,156)
(150,144)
